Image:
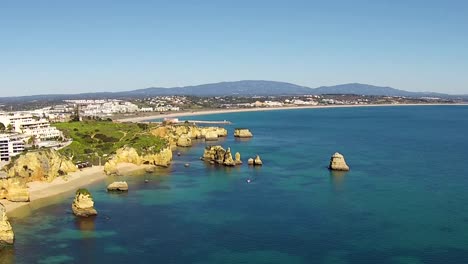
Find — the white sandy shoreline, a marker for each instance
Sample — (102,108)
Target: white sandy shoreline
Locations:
(239,110)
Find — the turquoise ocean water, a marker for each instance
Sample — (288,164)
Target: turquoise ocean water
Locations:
(405,199)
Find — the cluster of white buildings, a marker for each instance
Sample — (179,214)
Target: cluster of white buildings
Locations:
(103,107)
(19,128)
(11,145)
(29,125)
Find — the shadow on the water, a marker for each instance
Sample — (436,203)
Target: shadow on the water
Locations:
(7,254)
(85,223)
(242,139)
(337,179)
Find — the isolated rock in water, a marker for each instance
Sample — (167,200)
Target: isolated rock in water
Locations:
(83,205)
(184,141)
(6,232)
(255,161)
(118,186)
(258,161)
(217,154)
(211,136)
(337,162)
(242,133)
(238,158)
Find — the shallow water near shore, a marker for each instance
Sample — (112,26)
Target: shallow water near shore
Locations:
(403,201)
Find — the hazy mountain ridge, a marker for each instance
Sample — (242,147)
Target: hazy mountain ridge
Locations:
(238,88)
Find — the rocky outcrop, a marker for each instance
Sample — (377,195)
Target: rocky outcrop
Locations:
(83,205)
(14,189)
(130,155)
(337,162)
(118,186)
(184,141)
(172,133)
(211,136)
(43,165)
(217,154)
(242,133)
(238,158)
(17,194)
(6,231)
(255,161)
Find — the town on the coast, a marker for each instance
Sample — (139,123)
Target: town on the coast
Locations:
(43,141)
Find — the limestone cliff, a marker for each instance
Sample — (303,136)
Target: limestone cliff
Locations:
(43,165)
(130,155)
(184,141)
(337,162)
(242,133)
(83,204)
(174,133)
(6,231)
(217,154)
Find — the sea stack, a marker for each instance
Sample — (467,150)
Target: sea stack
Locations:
(121,186)
(6,232)
(238,158)
(242,133)
(337,162)
(255,162)
(258,161)
(218,155)
(83,205)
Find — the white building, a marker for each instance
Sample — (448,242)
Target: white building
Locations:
(30,126)
(11,145)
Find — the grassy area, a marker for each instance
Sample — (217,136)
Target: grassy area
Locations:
(94,139)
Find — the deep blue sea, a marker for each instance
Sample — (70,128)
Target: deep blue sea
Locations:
(405,199)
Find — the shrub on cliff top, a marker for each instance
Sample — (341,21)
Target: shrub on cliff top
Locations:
(84,192)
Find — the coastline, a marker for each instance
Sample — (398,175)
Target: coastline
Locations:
(240,110)
(39,190)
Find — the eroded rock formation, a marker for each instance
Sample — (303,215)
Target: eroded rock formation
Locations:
(43,165)
(242,133)
(130,155)
(83,205)
(118,186)
(217,154)
(173,133)
(14,189)
(337,162)
(255,161)
(6,231)
(184,141)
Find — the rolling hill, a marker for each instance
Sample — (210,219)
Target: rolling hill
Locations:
(237,88)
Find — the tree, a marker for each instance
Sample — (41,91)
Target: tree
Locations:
(10,127)
(2,127)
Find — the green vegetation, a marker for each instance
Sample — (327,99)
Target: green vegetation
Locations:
(84,192)
(95,139)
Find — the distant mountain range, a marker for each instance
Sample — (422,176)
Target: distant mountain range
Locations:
(238,88)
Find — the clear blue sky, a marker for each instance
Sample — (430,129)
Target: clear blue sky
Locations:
(81,46)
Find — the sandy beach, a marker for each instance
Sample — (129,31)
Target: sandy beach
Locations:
(40,190)
(238,110)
